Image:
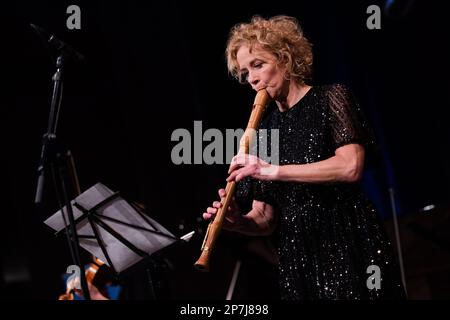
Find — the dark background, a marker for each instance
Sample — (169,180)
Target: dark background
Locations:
(153,67)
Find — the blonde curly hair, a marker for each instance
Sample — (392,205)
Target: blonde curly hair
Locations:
(281,36)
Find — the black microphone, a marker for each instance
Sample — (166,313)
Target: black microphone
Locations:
(57,43)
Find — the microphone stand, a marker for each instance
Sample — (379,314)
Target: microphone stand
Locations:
(51,157)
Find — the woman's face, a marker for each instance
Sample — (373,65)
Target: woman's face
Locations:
(260,69)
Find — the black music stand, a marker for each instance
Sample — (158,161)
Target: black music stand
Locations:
(116,231)
(51,156)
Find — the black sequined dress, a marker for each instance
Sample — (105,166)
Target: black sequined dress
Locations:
(329,234)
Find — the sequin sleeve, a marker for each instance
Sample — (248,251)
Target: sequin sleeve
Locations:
(263,191)
(249,189)
(348,124)
(244,194)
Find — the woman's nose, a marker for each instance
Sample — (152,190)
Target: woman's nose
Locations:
(252,80)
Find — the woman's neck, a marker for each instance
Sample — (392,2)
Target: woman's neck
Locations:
(295,94)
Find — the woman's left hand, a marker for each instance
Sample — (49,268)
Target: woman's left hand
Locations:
(247,165)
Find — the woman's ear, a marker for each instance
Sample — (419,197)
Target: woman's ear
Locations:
(285,71)
(283,66)
(287,75)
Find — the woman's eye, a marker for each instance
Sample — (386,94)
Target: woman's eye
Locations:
(257,65)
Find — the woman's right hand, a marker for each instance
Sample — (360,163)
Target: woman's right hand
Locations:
(232,215)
